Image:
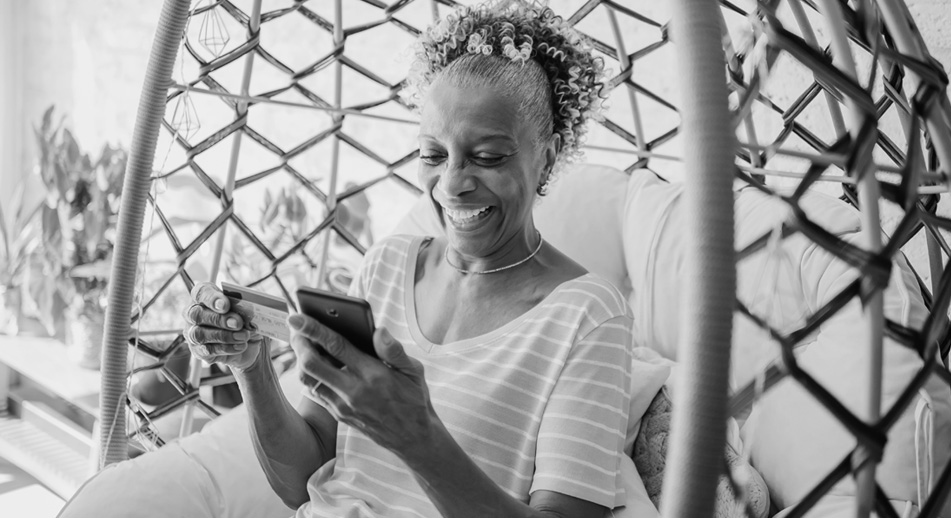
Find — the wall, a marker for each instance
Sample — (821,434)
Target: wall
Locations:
(10,115)
(934,21)
(87,58)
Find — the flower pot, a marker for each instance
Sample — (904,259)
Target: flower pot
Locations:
(84,335)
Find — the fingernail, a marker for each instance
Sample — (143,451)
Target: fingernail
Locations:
(387,337)
(232,322)
(241,335)
(220,304)
(296,321)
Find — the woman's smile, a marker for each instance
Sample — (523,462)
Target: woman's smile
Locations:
(467,219)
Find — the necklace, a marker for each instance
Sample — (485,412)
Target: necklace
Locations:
(513,265)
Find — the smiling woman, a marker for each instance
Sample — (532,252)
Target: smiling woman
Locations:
(482,164)
(503,381)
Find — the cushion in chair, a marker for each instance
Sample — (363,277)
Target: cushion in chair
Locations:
(168,483)
(210,474)
(793,440)
(650,458)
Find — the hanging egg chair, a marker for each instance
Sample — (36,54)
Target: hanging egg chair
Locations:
(774,97)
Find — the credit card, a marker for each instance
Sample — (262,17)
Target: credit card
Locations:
(267,312)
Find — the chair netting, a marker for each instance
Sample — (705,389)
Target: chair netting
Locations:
(285,147)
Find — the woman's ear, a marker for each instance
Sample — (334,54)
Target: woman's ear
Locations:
(551,157)
(552,150)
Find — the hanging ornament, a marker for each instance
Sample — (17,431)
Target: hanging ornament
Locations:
(185,121)
(212,33)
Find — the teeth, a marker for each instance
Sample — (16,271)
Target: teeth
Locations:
(463,215)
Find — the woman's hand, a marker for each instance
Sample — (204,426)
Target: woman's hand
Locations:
(388,400)
(216,334)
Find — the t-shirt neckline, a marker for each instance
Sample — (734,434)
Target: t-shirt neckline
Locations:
(431,348)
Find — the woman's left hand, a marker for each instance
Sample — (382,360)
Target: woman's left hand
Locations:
(388,400)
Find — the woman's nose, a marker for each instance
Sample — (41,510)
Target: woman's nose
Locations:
(455,180)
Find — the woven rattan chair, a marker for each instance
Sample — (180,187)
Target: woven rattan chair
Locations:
(777,93)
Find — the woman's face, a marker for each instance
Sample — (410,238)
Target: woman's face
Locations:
(481,165)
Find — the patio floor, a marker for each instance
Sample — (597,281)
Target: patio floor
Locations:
(21,496)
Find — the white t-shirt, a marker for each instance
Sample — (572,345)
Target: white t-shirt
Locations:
(538,404)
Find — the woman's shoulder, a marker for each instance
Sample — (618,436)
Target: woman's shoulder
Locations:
(390,248)
(596,295)
(584,287)
(385,260)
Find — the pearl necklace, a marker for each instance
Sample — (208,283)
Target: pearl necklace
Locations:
(513,265)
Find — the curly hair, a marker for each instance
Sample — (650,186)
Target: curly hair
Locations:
(562,85)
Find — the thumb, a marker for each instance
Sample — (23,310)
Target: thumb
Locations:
(391,351)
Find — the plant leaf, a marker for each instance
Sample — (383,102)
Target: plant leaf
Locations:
(39,295)
(73,156)
(100,269)
(48,118)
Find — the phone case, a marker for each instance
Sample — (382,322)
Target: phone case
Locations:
(351,317)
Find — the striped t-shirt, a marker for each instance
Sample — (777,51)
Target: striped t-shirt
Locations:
(539,404)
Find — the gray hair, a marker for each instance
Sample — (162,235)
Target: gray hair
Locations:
(523,82)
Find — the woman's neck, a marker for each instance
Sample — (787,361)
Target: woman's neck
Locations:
(518,252)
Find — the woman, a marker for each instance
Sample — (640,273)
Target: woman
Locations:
(503,388)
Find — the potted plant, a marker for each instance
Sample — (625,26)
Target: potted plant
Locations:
(77,233)
(18,235)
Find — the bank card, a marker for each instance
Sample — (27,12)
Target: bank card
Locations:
(267,312)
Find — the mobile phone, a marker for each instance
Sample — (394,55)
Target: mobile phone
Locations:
(350,317)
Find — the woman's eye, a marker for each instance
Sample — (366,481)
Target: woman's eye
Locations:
(432,159)
(488,161)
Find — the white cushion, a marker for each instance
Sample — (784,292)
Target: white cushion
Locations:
(651,232)
(833,506)
(637,502)
(837,359)
(581,216)
(654,242)
(224,449)
(163,483)
(211,474)
(793,440)
(649,373)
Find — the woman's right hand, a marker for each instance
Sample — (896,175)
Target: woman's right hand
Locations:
(216,334)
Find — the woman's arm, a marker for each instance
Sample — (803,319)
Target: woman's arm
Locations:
(389,402)
(290,444)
